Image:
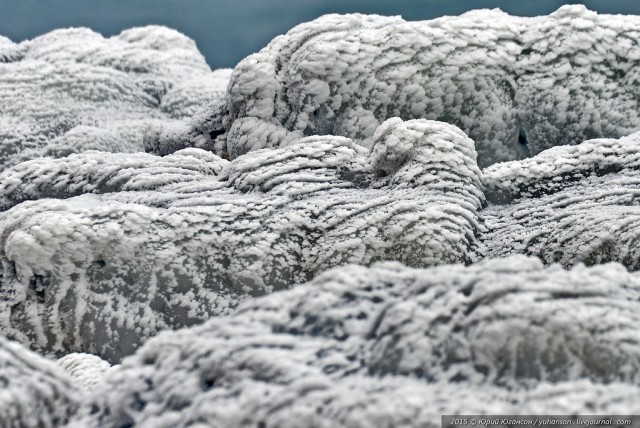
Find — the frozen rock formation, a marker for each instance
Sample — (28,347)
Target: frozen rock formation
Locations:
(157,243)
(34,392)
(73,90)
(577,77)
(346,74)
(514,85)
(390,346)
(568,204)
(86,370)
(99,172)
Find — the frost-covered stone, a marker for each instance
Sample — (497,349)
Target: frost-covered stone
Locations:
(577,77)
(515,85)
(99,172)
(86,370)
(568,204)
(157,243)
(345,75)
(200,131)
(73,90)
(391,346)
(34,392)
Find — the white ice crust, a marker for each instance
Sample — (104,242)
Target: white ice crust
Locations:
(320,151)
(34,392)
(73,90)
(390,346)
(568,204)
(155,242)
(515,85)
(87,371)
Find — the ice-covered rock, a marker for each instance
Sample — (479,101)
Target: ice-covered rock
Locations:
(346,74)
(577,77)
(390,346)
(99,172)
(163,242)
(34,392)
(515,85)
(72,90)
(568,204)
(86,370)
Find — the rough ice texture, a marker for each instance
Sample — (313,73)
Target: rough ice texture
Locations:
(157,243)
(100,251)
(390,346)
(73,90)
(34,392)
(99,172)
(86,370)
(568,204)
(514,85)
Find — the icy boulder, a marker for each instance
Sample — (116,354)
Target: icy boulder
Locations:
(99,172)
(344,75)
(157,243)
(568,204)
(34,392)
(515,85)
(390,346)
(73,90)
(86,370)
(577,77)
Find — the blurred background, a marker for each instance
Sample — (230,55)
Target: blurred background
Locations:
(228,30)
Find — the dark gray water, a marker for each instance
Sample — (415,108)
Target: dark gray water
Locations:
(228,30)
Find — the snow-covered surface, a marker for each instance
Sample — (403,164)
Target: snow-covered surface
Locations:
(34,392)
(235,202)
(87,371)
(568,204)
(390,346)
(504,80)
(73,90)
(180,238)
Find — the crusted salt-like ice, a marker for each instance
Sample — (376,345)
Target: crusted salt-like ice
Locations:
(86,370)
(99,172)
(568,204)
(101,251)
(157,243)
(72,90)
(34,392)
(514,85)
(394,346)
(346,74)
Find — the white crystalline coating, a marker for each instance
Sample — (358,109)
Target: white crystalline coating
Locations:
(9,51)
(34,392)
(514,85)
(578,77)
(391,346)
(61,91)
(187,236)
(567,204)
(559,167)
(99,172)
(86,370)
(187,97)
(345,75)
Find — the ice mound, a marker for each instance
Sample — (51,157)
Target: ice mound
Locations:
(34,392)
(86,370)
(568,204)
(515,85)
(391,346)
(99,172)
(317,154)
(73,90)
(155,242)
